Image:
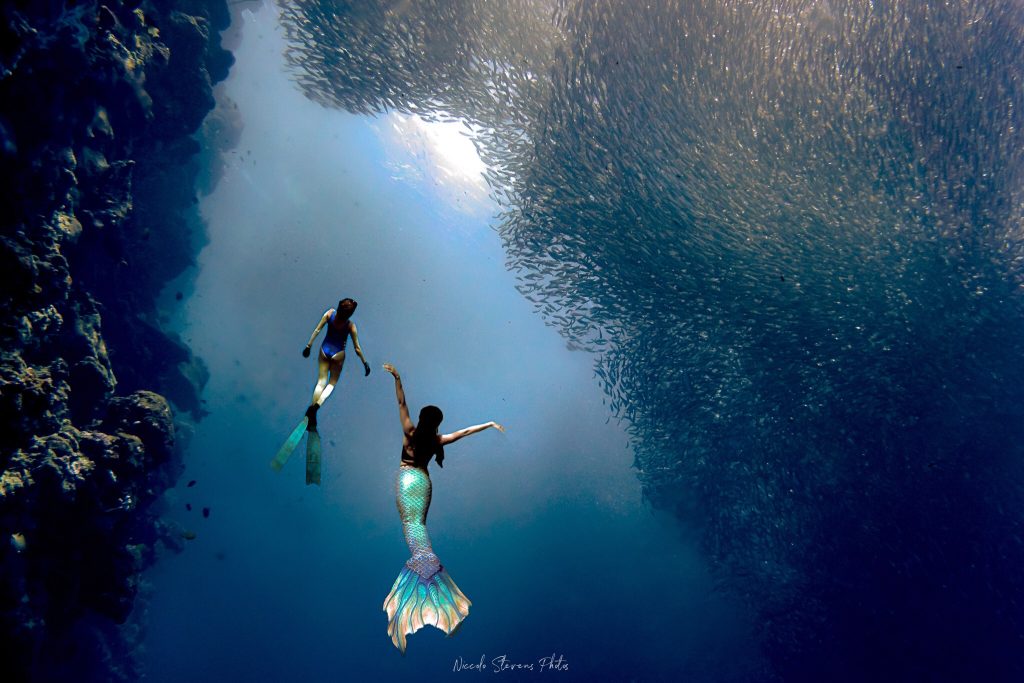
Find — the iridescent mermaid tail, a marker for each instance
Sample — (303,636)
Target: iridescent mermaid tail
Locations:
(423,594)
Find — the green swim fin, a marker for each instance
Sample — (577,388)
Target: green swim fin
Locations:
(285,451)
(313,458)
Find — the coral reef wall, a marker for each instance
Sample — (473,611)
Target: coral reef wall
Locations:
(99,102)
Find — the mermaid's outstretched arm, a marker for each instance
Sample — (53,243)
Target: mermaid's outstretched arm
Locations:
(403,410)
(455,436)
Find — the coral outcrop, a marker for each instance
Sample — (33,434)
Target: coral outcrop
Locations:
(100,101)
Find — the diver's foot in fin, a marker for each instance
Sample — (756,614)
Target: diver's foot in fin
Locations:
(289,446)
(313,458)
(415,602)
(311,415)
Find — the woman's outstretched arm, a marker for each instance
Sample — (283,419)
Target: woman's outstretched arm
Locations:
(358,348)
(403,410)
(316,331)
(455,436)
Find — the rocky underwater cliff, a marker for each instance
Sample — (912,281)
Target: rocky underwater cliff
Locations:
(99,106)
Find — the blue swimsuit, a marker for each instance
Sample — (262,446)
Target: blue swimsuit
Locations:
(336,338)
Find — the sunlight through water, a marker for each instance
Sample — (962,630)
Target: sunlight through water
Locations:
(439,157)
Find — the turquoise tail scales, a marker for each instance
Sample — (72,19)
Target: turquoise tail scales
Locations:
(423,594)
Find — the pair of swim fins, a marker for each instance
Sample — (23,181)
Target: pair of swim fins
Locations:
(312,451)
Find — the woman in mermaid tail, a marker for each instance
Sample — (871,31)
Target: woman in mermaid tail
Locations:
(423,594)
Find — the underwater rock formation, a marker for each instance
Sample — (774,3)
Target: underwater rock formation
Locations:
(98,164)
(792,233)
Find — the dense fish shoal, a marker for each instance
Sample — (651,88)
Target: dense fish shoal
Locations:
(791,234)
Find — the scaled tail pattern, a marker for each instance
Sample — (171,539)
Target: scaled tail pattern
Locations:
(424,594)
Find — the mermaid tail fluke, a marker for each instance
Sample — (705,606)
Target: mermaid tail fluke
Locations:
(423,594)
(415,602)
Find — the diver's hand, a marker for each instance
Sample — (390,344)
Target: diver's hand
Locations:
(498,427)
(391,368)
(305,352)
(366,366)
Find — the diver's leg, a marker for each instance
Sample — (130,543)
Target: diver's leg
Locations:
(337,362)
(323,370)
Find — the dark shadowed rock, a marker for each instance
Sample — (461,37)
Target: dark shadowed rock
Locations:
(147,416)
(98,104)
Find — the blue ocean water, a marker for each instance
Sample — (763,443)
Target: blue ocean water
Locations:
(543,527)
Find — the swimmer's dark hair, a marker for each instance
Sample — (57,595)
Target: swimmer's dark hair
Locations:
(346,307)
(424,441)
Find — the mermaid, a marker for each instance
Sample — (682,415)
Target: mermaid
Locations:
(424,593)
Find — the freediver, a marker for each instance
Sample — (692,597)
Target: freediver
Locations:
(331,358)
(424,593)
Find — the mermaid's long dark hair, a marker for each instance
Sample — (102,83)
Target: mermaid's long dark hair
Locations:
(424,441)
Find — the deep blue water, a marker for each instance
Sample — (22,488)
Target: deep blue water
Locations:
(543,527)
(787,237)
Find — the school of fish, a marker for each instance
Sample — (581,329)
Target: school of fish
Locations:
(791,232)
